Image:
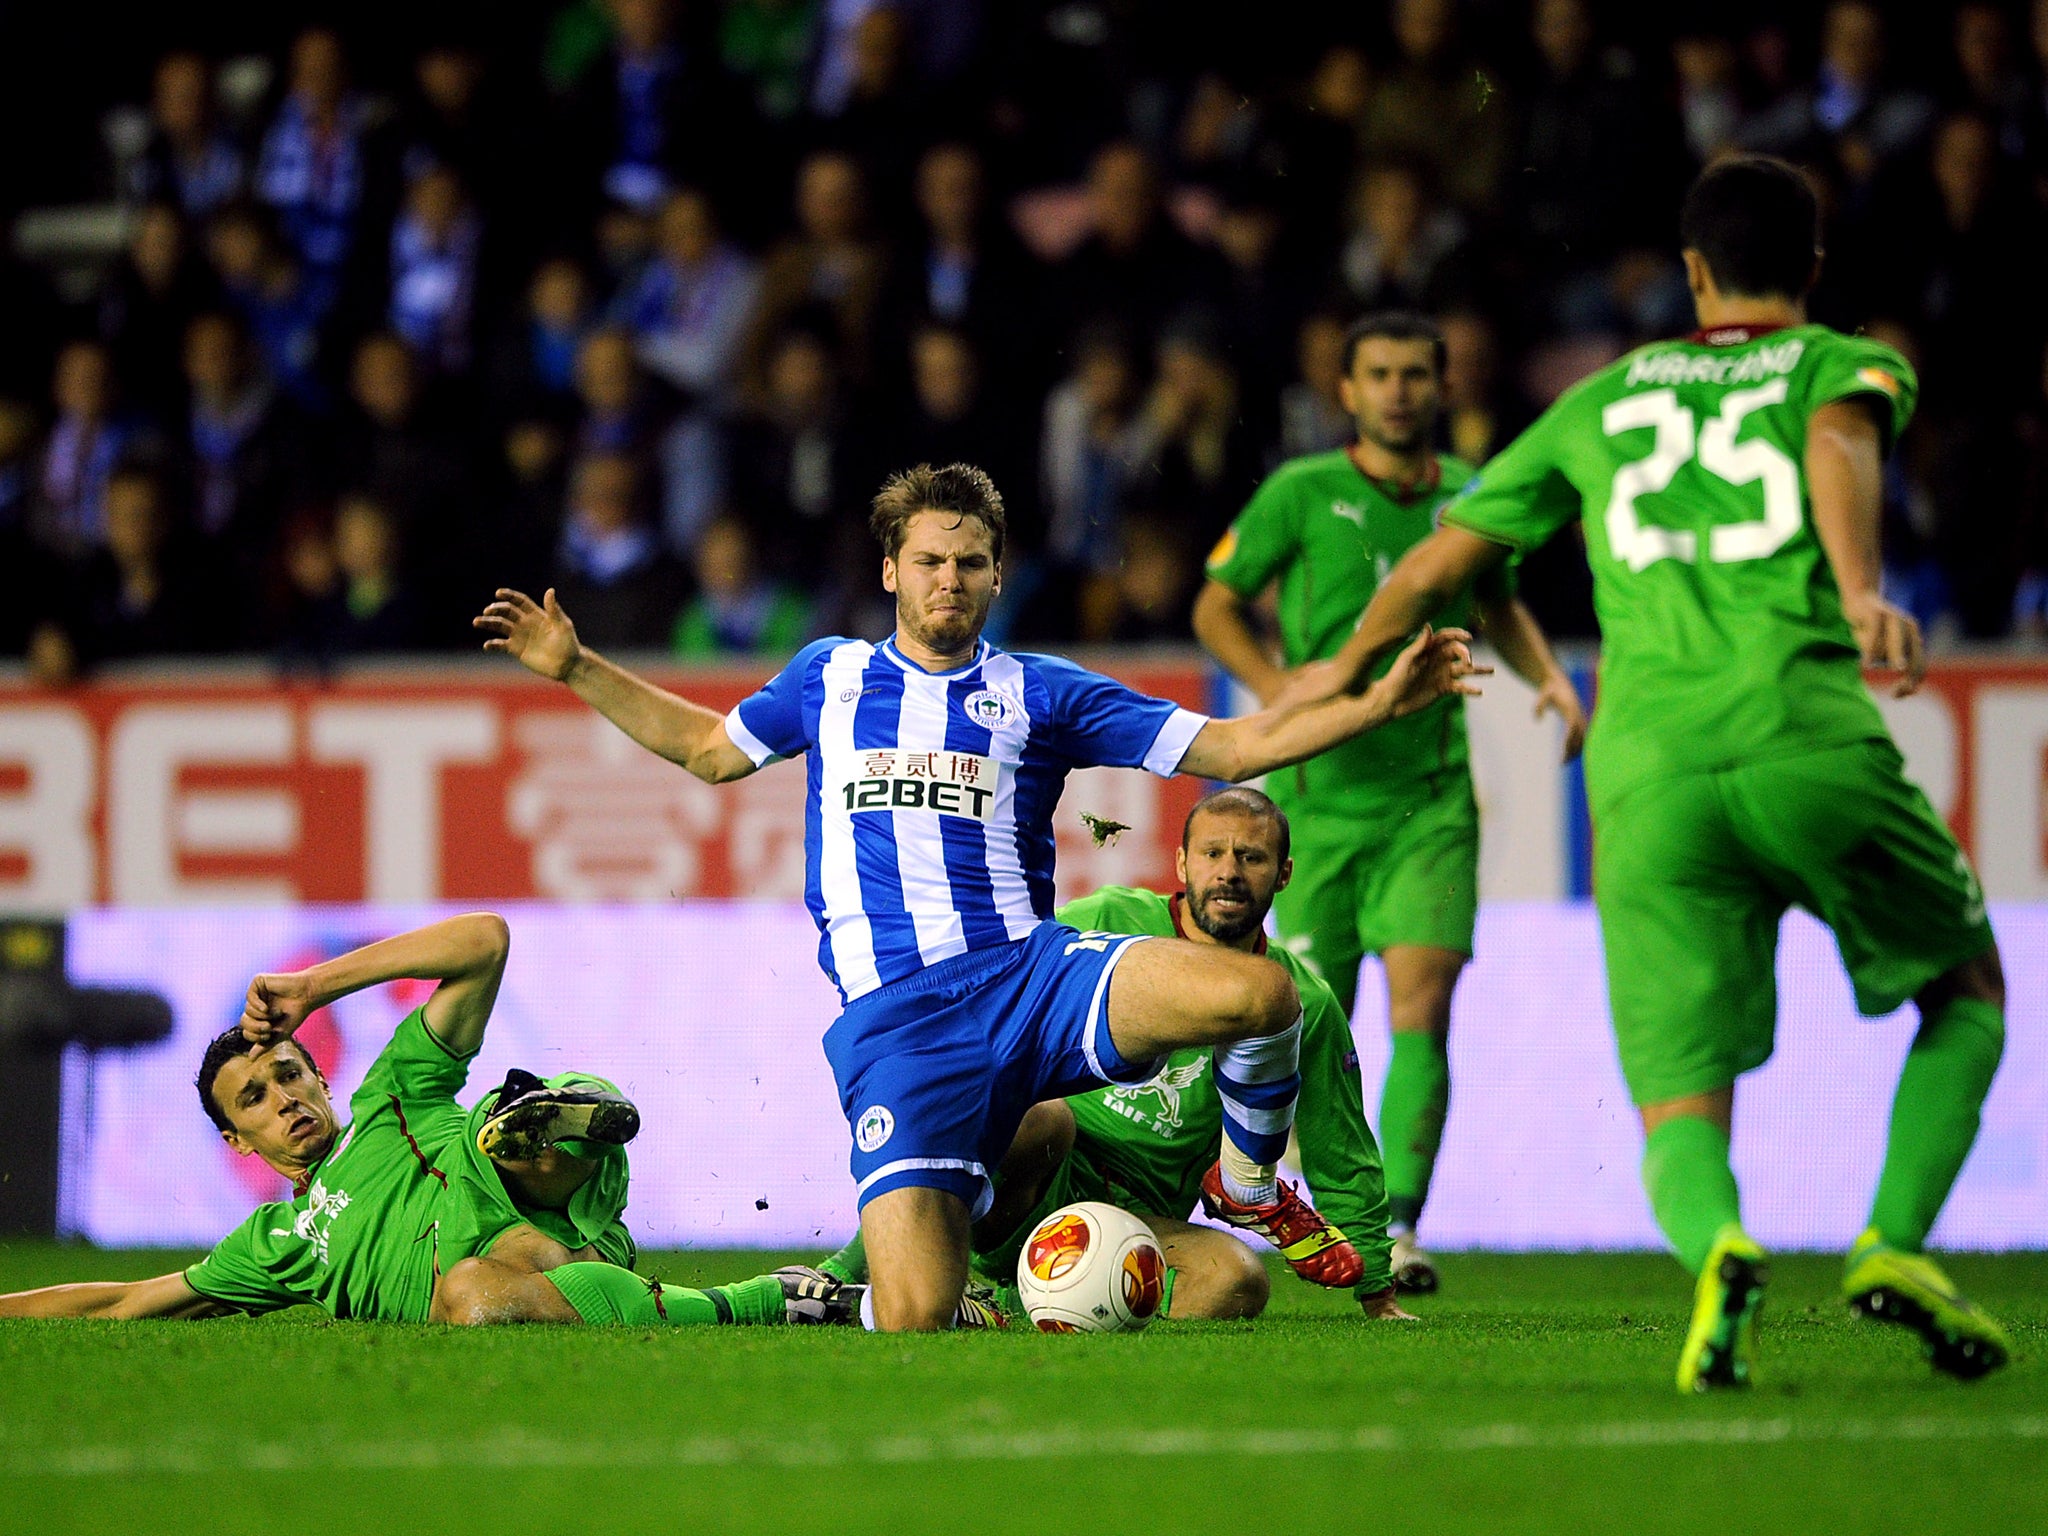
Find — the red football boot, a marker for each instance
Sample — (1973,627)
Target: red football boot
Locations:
(1313,1249)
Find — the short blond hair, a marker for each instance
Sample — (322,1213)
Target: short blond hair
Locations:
(961,489)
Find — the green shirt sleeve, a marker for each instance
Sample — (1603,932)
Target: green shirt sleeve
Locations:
(1339,1157)
(1849,367)
(244,1269)
(1265,537)
(1521,498)
(418,1072)
(1120,909)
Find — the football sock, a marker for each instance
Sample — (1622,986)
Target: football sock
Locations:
(605,1295)
(1166,1294)
(1934,1116)
(1413,1104)
(1691,1187)
(849,1263)
(1258,1082)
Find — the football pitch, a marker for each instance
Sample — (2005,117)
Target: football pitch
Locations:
(1535,1396)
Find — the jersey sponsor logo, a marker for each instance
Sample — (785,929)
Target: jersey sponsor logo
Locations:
(316,1221)
(874,1127)
(1693,368)
(1877,378)
(1225,550)
(1351,512)
(1164,1089)
(991,710)
(950,783)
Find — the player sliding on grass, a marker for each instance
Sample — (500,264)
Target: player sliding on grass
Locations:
(934,762)
(1729,485)
(1147,1147)
(1386,825)
(420,1210)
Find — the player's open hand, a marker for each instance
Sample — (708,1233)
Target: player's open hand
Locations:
(1435,663)
(1889,638)
(538,635)
(1557,694)
(277,1005)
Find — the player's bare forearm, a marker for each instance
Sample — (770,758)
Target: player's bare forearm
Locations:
(1844,464)
(668,725)
(166,1296)
(1426,581)
(1223,627)
(465,954)
(1434,664)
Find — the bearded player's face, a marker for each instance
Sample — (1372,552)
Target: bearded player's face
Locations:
(944,576)
(1393,392)
(1230,868)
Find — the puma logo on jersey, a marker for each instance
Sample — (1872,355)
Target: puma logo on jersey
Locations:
(1350,513)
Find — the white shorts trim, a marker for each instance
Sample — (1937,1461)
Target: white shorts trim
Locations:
(1091,1037)
(986,1199)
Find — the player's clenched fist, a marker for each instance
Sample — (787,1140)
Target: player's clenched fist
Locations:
(276,1006)
(538,636)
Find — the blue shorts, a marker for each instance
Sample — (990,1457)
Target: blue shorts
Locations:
(936,1071)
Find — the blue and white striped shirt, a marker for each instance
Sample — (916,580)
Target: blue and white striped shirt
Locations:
(928,821)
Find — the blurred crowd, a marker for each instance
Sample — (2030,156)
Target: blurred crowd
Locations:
(646,310)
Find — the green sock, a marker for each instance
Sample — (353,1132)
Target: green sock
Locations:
(1934,1116)
(1691,1187)
(605,1295)
(849,1263)
(1412,1108)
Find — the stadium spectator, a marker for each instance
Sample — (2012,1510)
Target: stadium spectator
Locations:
(831,266)
(314,168)
(949,419)
(397,445)
(1852,116)
(535,368)
(1312,418)
(238,449)
(151,297)
(793,472)
(378,611)
(434,248)
(1089,453)
(966,269)
(86,441)
(1707,70)
(1317,144)
(1440,108)
(1406,250)
(738,610)
(1992,82)
(1197,457)
(769,46)
(688,309)
(1146,599)
(611,570)
(1134,265)
(137,595)
(264,285)
(187,161)
(1261,297)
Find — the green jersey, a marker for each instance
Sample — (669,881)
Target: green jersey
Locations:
(1152,1142)
(1723,639)
(1329,535)
(402,1195)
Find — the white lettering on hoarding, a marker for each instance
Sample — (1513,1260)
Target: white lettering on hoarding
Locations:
(403,748)
(48,824)
(149,816)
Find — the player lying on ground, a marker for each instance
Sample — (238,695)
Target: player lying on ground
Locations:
(934,762)
(1385,826)
(1729,487)
(1148,1147)
(419,1210)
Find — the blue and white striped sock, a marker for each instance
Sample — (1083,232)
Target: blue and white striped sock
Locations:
(1258,1081)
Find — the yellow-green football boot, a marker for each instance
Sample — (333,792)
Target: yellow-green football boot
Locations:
(1720,1347)
(1909,1289)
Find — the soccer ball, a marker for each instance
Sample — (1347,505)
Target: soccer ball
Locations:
(1091,1268)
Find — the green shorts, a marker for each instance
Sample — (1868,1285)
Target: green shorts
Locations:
(480,1209)
(1365,883)
(1691,876)
(1074,1180)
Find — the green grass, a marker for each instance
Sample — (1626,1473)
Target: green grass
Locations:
(1535,1396)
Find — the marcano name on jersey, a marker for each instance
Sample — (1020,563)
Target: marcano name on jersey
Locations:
(1701,368)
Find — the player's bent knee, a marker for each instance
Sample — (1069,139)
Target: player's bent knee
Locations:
(1248,1290)
(463,1295)
(1264,1000)
(914,1308)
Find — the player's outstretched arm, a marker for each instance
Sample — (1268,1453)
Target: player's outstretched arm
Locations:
(1435,663)
(465,954)
(541,638)
(1429,576)
(1516,634)
(1844,479)
(165,1296)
